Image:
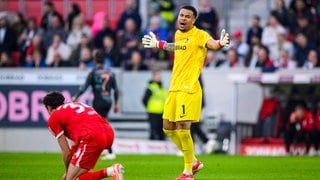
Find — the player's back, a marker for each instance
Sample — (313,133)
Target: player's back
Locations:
(78,120)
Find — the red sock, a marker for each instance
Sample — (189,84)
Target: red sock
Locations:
(96,175)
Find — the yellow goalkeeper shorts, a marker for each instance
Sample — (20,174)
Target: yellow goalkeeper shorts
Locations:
(183,106)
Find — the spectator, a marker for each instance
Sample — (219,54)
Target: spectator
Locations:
(166,8)
(25,40)
(78,29)
(8,41)
(208,18)
(300,127)
(57,61)
(153,100)
(254,30)
(312,60)
(111,52)
(285,62)
(49,13)
(161,33)
(130,12)
(298,8)
(253,50)
(37,60)
(239,45)
(58,50)
(302,48)
(270,34)
(231,61)
(86,60)
(308,29)
(135,63)
(19,24)
(36,45)
(282,44)
(283,13)
(5,60)
(55,28)
(155,27)
(97,24)
(74,12)
(210,60)
(105,31)
(75,54)
(154,11)
(263,60)
(129,40)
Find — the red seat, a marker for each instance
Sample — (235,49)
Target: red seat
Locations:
(15,56)
(254,140)
(275,140)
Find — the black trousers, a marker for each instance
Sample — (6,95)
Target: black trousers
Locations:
(156,126)
(102,106)
(197,131)
(293,136)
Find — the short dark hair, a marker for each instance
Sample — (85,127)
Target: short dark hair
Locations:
(191,8)
(49,3)
(99,57)
(53,99)
(257,17)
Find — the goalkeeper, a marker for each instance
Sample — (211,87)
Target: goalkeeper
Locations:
(183,103)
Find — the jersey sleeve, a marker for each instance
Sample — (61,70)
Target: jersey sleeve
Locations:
(205,37)
(85,86)
(115,87)
(55,127)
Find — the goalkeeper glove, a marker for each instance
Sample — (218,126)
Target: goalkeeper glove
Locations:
(224,39)
(150,41)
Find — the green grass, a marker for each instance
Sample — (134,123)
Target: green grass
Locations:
(167,167)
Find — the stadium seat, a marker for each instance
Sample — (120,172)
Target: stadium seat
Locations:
(15,55)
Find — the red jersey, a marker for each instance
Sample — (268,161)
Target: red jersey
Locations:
(307,122)
(317,120)
(77,120)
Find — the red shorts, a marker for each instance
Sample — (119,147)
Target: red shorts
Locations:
(90,148)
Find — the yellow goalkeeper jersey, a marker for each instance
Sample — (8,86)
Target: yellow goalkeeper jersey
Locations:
(189,55)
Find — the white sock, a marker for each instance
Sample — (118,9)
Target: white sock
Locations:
(109,171)
(187,172)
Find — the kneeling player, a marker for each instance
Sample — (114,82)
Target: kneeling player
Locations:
(89,132)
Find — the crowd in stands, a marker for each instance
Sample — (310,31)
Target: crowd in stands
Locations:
(289,40)
(72,42)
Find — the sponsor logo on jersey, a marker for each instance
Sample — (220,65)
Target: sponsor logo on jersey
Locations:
(180,47)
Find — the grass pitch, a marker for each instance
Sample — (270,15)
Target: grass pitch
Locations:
(167,167)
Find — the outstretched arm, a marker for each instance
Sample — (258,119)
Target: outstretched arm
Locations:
(218,44)
(150,41)
(169,46)
(84,87)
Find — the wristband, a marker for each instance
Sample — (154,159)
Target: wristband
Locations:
(219,43)
(161,44)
